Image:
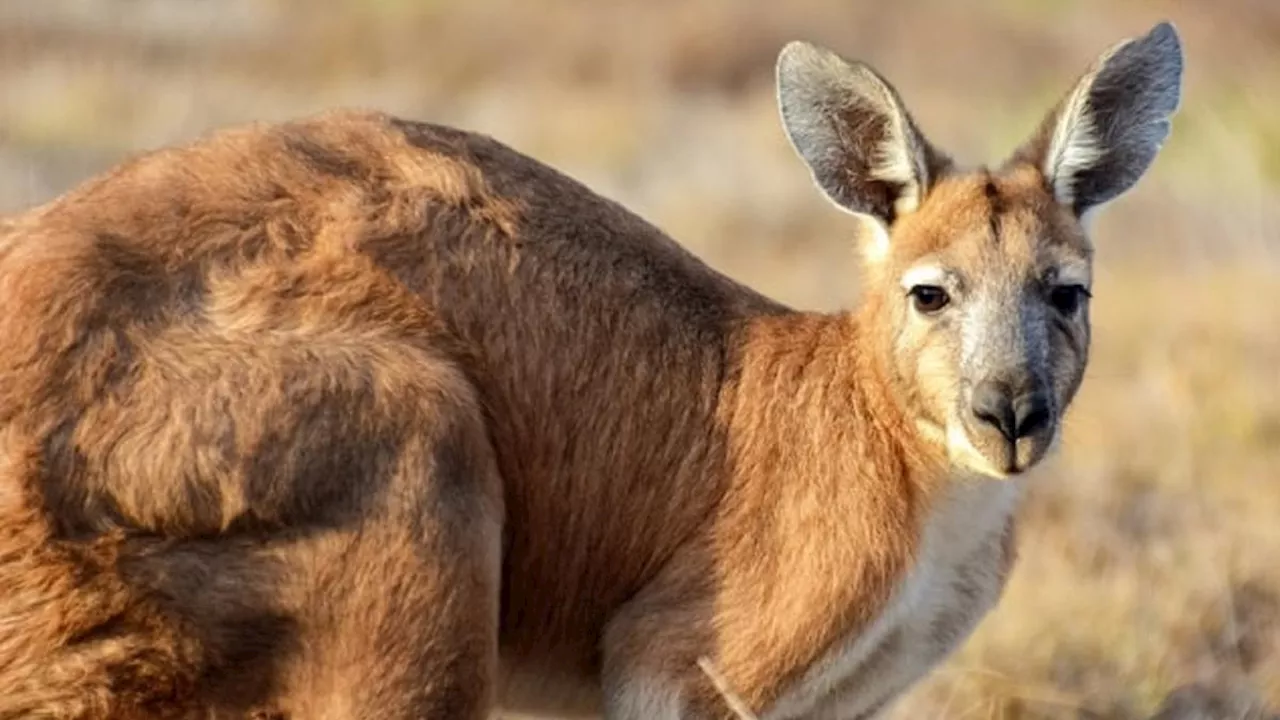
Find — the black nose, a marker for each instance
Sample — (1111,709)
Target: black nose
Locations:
(1015,417)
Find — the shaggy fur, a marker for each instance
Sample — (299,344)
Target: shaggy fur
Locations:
(356,417)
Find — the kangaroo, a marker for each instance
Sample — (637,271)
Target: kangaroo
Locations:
(358,417)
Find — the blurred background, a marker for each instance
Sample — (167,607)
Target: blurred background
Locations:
(1149,579)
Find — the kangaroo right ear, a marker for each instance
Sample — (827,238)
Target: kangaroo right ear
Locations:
(849,126)
(1105,133)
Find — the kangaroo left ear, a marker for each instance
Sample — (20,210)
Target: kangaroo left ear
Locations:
(1103,136)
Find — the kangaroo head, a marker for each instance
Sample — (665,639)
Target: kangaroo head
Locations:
(978,279)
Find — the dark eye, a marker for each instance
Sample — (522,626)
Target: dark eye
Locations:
(1066,299)
(929,298)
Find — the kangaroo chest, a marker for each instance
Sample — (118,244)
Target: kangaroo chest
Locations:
(961,567)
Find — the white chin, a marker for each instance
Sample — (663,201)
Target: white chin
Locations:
(964,455)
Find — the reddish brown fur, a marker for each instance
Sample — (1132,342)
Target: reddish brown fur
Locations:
(270,398)
(185,548)
(223,346)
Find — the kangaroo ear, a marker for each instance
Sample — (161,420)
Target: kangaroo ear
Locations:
(1103,135)
(851,129)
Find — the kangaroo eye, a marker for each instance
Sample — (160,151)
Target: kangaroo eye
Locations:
(929,298)
(1066,299)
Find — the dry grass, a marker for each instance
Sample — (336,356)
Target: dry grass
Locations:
(1148,556)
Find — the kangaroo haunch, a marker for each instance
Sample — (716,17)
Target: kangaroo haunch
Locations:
(357,417)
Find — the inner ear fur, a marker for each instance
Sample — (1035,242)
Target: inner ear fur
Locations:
(1103,135)
(850,127)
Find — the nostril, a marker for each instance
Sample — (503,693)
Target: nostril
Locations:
(991,405)
(1031,414)
(995,419)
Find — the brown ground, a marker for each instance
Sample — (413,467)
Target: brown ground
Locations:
(1149,558)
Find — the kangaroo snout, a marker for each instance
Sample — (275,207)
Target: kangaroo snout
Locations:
(1015,415)
(1010,422)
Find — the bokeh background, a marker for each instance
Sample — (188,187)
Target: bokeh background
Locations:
(1149,580)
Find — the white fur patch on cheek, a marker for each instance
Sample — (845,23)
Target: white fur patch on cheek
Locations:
(973,325)
(931,432)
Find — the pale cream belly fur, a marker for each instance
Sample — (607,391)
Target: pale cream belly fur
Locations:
(956,581)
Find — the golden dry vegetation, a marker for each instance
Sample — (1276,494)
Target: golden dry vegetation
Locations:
(1150,555)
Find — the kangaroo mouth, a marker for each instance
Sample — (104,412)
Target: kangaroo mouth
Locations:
(993,454)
